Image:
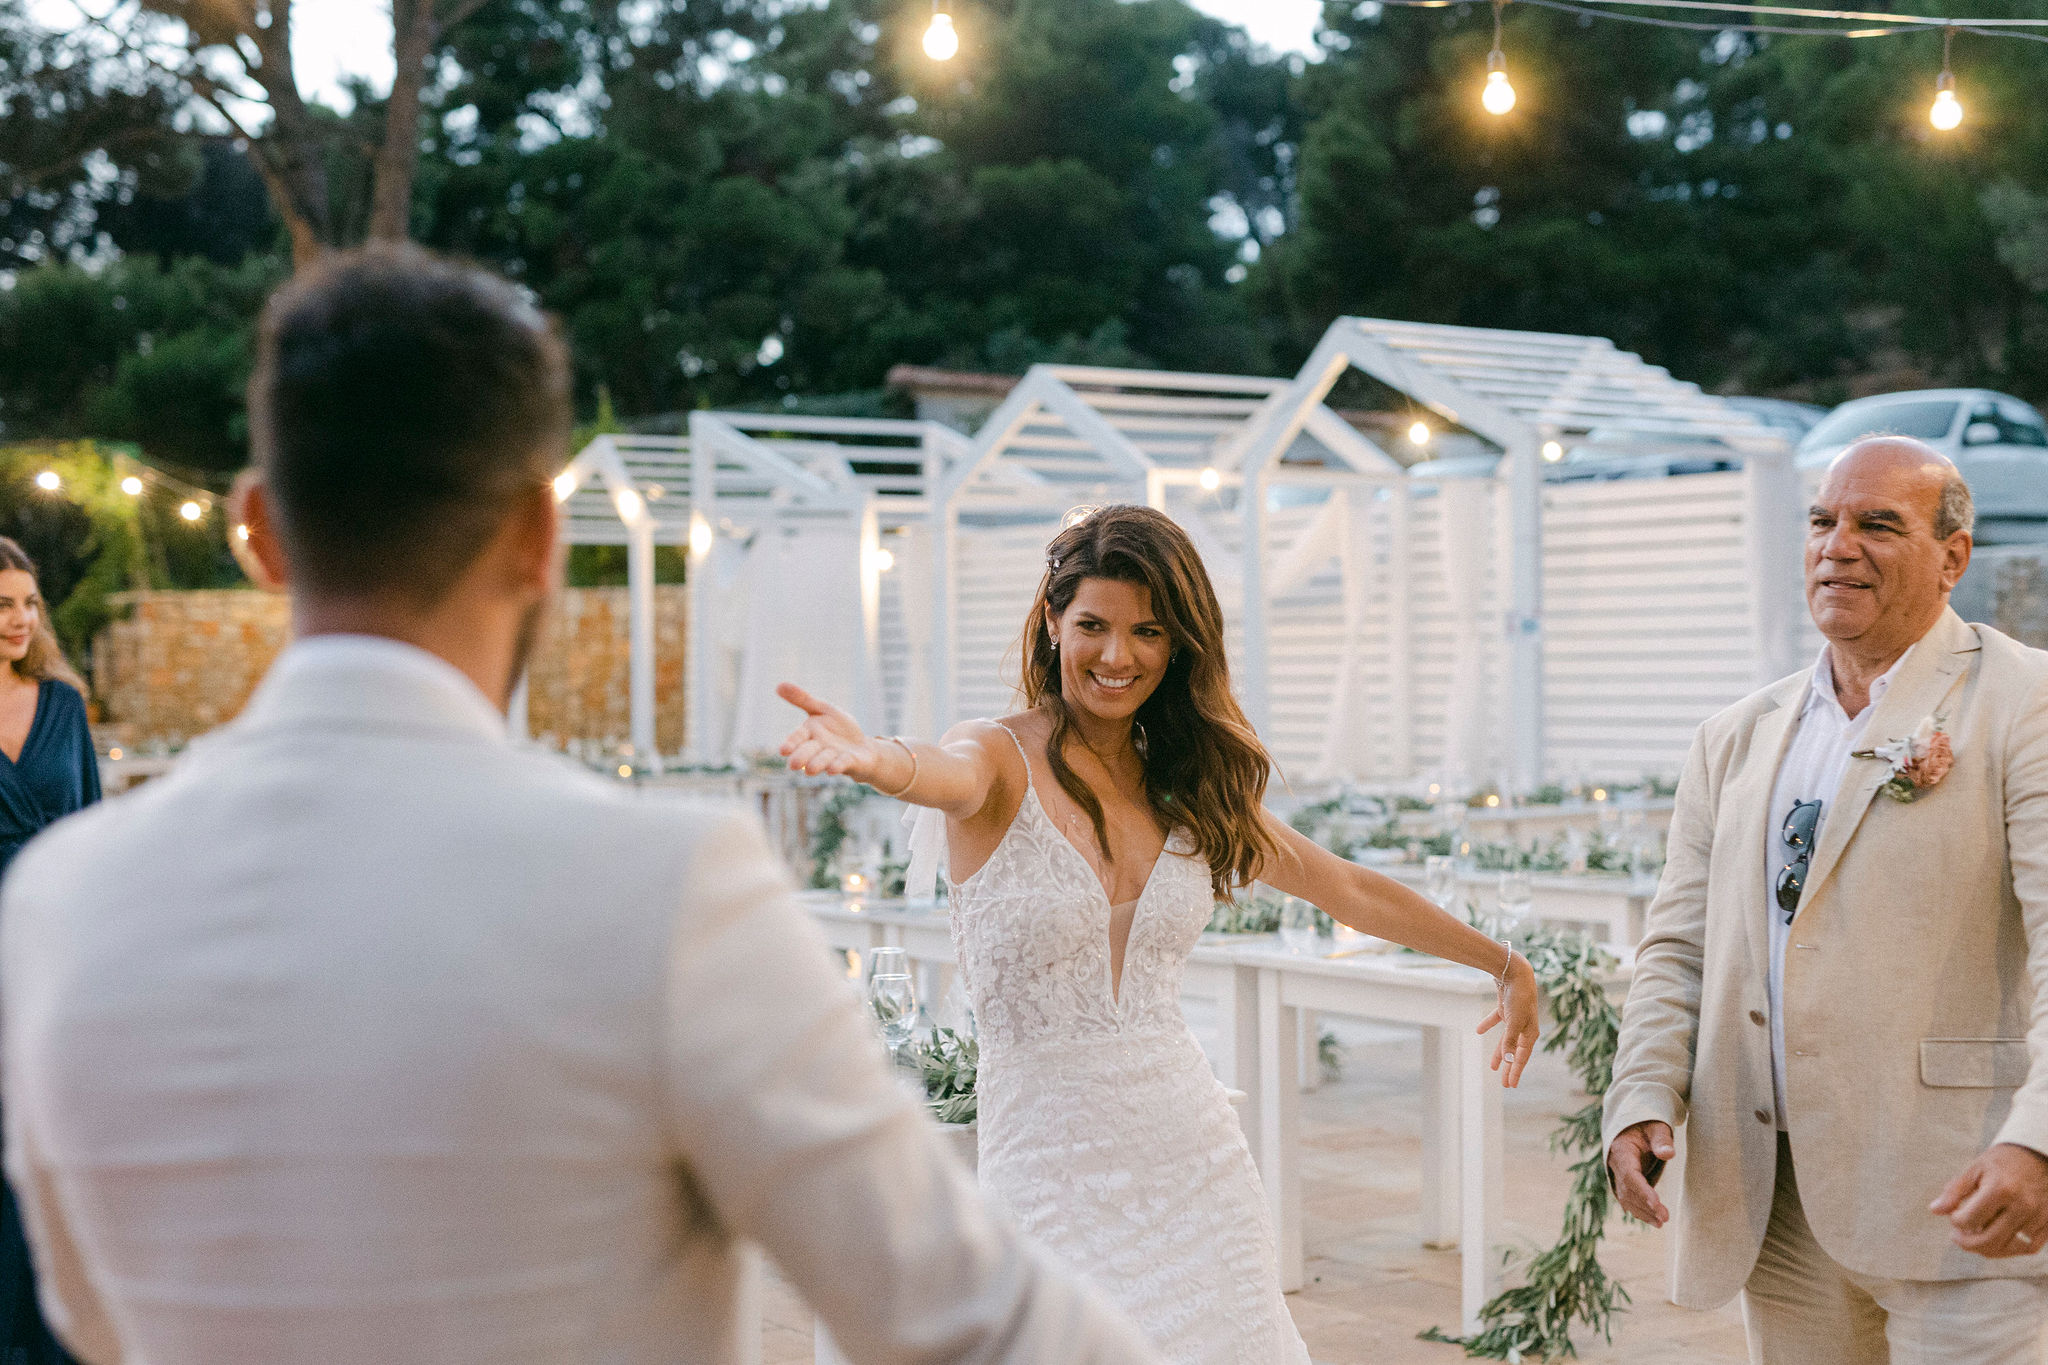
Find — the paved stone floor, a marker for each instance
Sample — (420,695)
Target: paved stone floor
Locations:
(1372,1286)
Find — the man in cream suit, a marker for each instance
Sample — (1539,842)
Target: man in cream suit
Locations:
(1841,991)
(368,1037)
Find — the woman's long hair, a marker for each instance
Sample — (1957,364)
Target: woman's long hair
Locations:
(45,657)
(1205,770)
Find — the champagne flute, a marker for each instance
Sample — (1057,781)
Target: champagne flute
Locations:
(1517,897)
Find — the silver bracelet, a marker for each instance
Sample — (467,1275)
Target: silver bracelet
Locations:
(1501,981)
(912,780)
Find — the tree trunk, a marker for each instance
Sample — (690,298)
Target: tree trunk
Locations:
(414,32)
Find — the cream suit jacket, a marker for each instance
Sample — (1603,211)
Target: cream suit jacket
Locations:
(366,1036)
(1916,976)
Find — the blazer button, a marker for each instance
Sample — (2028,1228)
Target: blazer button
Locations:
(1757,1017)
(1763,1116)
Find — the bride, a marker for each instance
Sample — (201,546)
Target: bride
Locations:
(1089,837)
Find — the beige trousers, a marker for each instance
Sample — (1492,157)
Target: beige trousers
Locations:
(1801,1307)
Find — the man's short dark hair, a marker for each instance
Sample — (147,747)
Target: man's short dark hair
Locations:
(400,404)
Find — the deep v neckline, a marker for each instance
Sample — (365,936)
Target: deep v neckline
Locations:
(35,718)
(1115,979)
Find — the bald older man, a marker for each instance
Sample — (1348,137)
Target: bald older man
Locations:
(1842,996)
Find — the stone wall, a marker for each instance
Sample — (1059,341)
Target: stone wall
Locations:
(180,663)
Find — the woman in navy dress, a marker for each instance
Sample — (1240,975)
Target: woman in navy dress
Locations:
(47,770)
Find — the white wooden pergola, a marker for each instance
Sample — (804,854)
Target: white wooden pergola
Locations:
(1532,395)
(834,484)
(1069,436)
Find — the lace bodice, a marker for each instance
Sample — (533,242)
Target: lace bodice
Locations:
(1104,1132)
(1031,930)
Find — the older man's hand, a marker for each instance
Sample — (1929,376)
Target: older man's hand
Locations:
(1998,1206)
(1635,1161)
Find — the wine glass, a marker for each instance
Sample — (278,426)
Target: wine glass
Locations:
(1517,898)
(1297,925)
(1440,879)
(892,997)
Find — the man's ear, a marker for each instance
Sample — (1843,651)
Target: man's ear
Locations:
(533,546)
(252,537)
(1955,559)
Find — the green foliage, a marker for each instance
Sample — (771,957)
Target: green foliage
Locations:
(948,1063)
(828,835)
(90,540)
(1565,1283)
(135,351)
(1245,915)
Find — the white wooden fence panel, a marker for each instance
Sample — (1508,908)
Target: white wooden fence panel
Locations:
(1647,623)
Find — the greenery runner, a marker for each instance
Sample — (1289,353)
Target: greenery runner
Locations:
(1566,1283)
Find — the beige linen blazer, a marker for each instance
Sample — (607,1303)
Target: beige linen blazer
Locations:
(366,1036)
(1916,978)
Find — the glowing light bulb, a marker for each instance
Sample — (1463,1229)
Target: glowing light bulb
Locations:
(629,504)
(941,41)
(565,484)
(701,537)
(1492,802)
(115,754)
(1211,480)
(1498,97)
(48,481)
(132,486)
(1947,112)
(241,533)
(191,511)
(885,560)
(1419,434)
(1552,451)
(625,770)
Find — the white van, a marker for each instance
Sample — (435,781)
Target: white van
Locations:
(1999,443)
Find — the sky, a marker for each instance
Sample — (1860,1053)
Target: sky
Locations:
(335,38)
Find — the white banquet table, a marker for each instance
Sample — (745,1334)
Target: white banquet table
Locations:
(1261,992)
(1615,904)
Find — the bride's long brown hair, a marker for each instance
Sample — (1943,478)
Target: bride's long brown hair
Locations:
(1205,770)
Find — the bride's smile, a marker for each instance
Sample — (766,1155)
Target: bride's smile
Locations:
(1113,652)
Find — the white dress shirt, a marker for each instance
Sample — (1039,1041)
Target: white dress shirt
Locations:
(368,1036)
(1816,756)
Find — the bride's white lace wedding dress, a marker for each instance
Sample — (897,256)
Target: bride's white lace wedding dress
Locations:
(1103,1131)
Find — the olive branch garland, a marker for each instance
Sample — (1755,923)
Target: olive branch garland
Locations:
(1565,1283)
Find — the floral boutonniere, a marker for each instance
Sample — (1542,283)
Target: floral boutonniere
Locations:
(1918,762)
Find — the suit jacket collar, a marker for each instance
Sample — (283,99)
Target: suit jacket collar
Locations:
(370,682)
(1927,675)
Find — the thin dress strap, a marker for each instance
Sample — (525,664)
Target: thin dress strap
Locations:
(927,833)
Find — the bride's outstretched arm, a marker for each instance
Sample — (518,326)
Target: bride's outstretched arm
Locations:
(957,775)
(1379,905)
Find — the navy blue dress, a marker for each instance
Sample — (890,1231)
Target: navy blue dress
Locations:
(57,773)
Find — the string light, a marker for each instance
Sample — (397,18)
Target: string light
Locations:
(132,486)
(241,533)
(1552,451)
(941,41)
(48,481)
(701,537)
(191,511)
(1211,479)
(565,484)
(1947,112)
(1418,435)
(1498,97)
(885,560)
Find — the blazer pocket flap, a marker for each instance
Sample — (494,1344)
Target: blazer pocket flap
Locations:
(1973,1062)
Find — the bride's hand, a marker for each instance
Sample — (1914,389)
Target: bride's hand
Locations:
(1521,1010)
(828,741)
